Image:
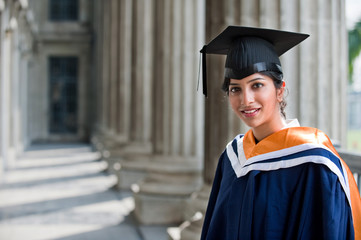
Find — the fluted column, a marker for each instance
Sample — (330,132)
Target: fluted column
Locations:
(122,142)
(142,71)
(11,87)
(109,80)
(97,91)
(113,67)
(289,20)
(323,79)
(175,168)
(96,73)
(13,93)
(114,136)
(6,66)
(22,43)
(2,158)
(26,54)
(124,69)
(129,152)
(102,22)
(4,90)
(105,66)
(220,123)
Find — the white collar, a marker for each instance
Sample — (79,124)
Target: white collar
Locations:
(291,123)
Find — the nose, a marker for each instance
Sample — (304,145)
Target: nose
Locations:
(247,97)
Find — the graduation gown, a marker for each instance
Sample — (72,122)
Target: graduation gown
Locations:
(291,185)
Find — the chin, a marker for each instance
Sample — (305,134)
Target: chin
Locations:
(251,124)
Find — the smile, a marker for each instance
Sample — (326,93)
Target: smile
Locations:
(250,112)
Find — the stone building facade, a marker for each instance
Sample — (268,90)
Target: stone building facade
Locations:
(62,61)
(132,68)
(44,58)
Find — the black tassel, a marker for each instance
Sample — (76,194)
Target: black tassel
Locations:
(204,69)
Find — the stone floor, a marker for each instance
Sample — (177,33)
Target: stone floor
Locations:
(62,192)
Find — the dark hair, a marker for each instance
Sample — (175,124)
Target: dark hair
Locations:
(277,80)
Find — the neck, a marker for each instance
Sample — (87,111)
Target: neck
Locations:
(263,131)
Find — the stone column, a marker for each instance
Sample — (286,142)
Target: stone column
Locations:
(34,120)
(303,70)
(289,19)
(220,123)
(339,89)
(113,66)
(122,71)
(6,60)
(130,154)
(25,48)
(22,43)
(17,86)
(97,89)
(14,93)
(323,79)
(113,90)
(2,112)
(142,71)
(105,136)
(24,70)
(174,171)
(104,110)
(106,76)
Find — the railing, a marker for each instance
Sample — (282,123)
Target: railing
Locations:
(353,160)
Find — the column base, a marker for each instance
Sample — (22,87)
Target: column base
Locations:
(191,229)
(160,198)
(101,141)
(128,162)
(157,209)
(131,170)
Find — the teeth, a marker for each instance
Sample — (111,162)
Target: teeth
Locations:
(251,111)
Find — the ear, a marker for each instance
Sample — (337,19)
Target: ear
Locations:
(280,92)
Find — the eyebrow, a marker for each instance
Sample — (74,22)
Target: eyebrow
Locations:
(252,80)
(255,79)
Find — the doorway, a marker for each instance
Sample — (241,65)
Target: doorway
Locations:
(63,82)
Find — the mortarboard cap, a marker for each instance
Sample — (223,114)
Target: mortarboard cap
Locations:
(250,50)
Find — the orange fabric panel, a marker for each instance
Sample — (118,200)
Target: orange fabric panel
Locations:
(285,138)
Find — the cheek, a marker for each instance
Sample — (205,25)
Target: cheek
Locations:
(268,95)
(234,103)
(270,101)
(267,100)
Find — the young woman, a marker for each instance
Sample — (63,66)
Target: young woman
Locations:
(279,180)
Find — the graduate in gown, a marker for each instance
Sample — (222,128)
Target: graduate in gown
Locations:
(279,180)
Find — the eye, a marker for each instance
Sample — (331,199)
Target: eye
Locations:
(234,90)
(257,85)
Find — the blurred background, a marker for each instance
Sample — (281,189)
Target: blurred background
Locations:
(103,133)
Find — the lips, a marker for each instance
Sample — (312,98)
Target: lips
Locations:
(250,112)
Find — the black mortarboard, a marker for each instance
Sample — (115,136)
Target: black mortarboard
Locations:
(250,50)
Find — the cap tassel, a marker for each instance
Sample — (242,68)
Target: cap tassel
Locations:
(204,70)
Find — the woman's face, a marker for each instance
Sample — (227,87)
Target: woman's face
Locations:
(255,100)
